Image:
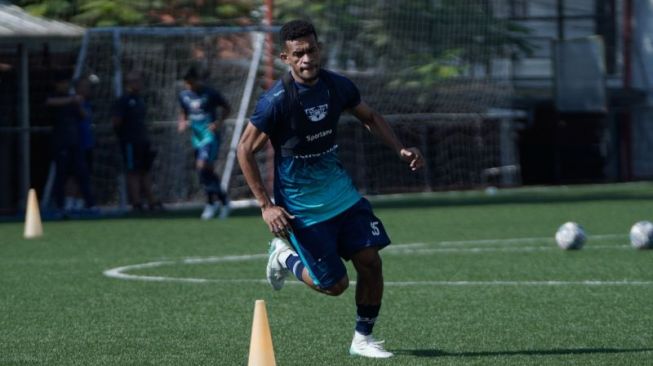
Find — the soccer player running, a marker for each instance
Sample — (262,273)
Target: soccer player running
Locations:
(316,206)
(199,104)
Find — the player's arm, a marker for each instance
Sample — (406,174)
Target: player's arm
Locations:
(380,128)
(118,114)
(252,141)
(62,101)
(116,121)
(82,112)
(182,121)
(226,111)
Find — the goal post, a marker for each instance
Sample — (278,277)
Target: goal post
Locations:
(447,89)
(258,40)
(230,57)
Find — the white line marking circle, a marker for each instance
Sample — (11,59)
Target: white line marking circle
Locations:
(413,248)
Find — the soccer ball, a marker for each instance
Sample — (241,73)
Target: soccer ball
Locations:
(570,236)
(94,79)
(641,235)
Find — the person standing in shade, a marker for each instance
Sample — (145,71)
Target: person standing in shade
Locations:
(199,111)
(66,110)
(83,89)
(129,123)
(316,207)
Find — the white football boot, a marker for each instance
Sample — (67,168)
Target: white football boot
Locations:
(276,270)
(225,210)
(209,211)
(367,346)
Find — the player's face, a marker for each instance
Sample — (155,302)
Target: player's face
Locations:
(83,88)
(134,84)
(192,84)
(61,86)
(303,57)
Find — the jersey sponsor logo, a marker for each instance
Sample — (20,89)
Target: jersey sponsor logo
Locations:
(319,135)
(318,113)
(195,104)
(316,155)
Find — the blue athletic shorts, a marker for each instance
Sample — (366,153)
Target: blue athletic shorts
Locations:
(321,246)
(137,157)
(207,152)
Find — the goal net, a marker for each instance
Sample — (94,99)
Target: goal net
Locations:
(228,58)
(440,71)
(441,74)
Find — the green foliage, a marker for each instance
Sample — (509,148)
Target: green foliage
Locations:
(104,13)
(98,13)
(58,9)
(233,10)
(434,40)
(428,41)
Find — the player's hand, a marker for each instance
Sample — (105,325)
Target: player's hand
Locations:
(278,221)
(413,157)
(182,126)
(213,126)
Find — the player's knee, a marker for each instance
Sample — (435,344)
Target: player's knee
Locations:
(339,288)
(369,262)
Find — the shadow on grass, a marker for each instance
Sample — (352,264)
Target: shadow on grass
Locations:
(535,352)
(525,195)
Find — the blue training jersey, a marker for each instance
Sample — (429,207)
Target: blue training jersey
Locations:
(314,186)
(132,110)
(201,109)
(86,138)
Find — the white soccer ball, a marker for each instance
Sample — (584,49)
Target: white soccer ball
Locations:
(641,235)
(94,79)
(570,236)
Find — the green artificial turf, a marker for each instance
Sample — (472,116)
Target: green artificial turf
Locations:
(472,279)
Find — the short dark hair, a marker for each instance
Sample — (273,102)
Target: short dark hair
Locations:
(192,74)
(61,76)
(295,29)
(197,72)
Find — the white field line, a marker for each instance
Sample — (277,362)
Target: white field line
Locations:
(398,250)
(119,273)
(411,248)
(521,283)
(513,241)
(508,241)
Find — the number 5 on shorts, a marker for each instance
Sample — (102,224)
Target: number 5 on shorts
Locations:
(375,228)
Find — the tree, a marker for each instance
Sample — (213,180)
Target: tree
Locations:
(94,13)
(429,39)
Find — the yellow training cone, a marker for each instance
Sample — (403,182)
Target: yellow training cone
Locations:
(261,352)
(33,226)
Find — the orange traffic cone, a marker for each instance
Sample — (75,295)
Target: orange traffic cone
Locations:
(33,226)
(261,352)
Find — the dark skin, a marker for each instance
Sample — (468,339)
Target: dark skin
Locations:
(302,55)
(137,181)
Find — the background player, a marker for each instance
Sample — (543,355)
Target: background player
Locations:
(316,204)
(65,109)
(199,104)
(129,123)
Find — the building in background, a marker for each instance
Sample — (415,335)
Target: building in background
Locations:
(586,87)
(31,48)
(444,72)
